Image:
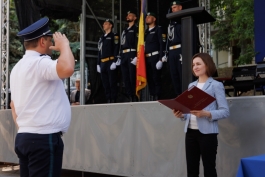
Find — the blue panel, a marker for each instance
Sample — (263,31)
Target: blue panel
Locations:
(259,15)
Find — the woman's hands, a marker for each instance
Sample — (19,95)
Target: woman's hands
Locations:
(197,113)
(201,113)
(178,114)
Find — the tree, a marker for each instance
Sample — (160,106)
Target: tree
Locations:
(16,50)
(71,30)
(234,27)
(15,47)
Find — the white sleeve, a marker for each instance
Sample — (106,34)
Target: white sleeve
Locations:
(47,69)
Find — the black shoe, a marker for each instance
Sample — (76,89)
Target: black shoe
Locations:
(108,101)
(113,101)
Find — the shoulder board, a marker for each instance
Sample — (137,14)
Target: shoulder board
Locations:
(45,56)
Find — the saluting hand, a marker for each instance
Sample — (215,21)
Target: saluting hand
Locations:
(60,41)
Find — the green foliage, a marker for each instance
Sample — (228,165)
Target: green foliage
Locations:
(16,49)
(234,27)
(71,30)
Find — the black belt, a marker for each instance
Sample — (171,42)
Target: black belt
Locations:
(60,133)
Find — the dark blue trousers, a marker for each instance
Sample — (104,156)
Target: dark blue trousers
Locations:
(40,155)
(129,72)
(175,67)
(109,80)
(153,75)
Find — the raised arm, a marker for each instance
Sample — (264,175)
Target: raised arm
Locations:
(66,63)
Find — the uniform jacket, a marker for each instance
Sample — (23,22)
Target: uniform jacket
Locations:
(175,38)
(219,108)
(155,41)
(174,33)
(129,38)
(108,46)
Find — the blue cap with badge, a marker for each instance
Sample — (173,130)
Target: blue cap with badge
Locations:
(36,30)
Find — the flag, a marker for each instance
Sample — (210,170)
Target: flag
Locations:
(140,67)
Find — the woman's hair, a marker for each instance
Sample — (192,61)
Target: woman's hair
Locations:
(208,61)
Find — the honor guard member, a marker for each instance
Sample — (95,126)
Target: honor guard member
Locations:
(154,47)
(129,39)
(174,50)
(40,107)
(108,47)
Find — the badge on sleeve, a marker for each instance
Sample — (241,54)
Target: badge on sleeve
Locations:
(164,36)
(116,39)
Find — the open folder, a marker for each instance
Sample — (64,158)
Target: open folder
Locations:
(191,99)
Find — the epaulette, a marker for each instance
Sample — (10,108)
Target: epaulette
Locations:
(42,55)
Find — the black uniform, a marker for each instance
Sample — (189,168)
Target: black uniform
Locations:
(128,51)
(174,55)
(108,51)
(154,47)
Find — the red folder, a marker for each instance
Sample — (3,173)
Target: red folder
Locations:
(192,99)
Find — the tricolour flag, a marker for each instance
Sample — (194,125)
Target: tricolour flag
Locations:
(140,67)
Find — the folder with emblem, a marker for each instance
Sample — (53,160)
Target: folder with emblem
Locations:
(191,99)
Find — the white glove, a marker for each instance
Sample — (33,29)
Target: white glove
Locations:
(98,69)
(159,65)
(134,61)
(118,62)
(164,58)
(113,66)
(180,58)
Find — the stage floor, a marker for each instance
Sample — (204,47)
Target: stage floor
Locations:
(65,173)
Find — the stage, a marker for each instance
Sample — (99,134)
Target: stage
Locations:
(145,139)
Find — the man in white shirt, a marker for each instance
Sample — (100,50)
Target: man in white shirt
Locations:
(40,107)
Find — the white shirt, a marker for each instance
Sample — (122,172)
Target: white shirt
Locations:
(193,120)
(151,28)
(38,94)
